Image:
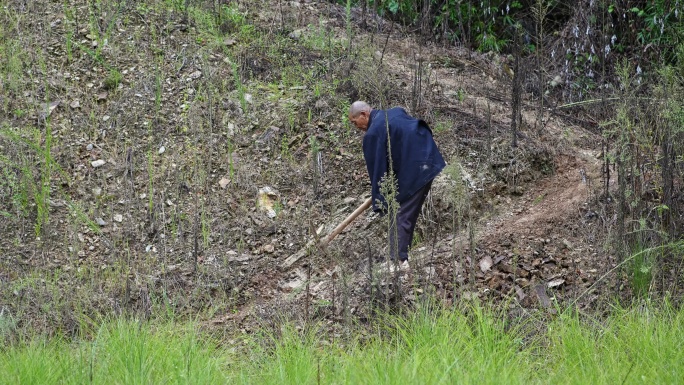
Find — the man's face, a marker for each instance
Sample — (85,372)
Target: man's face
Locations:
(361,121)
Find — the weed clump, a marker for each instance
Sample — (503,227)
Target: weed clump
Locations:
(113,80)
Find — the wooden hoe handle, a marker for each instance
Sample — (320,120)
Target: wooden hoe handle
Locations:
(325,241)
(346,221)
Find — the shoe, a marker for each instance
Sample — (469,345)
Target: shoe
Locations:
(391,266)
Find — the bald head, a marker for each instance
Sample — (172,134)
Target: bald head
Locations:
(359,114)
(357,107)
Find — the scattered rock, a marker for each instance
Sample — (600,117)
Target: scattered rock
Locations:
(520,293)
(486,264)
(544,299)
(98,163)
(567,244)
(56,203)
(517,191)
(321,104)
(266,201)
(118,218)
(224,182)
(349,200)
(291,285)
(234,257)
(100,221)
(46,109)
(495,283)
(296,34)
(230,127)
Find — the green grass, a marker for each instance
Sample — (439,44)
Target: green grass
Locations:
(122,352)
(473,346)
(636,346)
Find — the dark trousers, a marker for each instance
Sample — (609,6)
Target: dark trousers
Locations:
(404,223)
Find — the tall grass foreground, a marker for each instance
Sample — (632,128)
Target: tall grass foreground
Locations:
(473,346)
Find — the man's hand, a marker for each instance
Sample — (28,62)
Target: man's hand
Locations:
(372,217)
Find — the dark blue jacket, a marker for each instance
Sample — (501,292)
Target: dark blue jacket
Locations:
(415,157)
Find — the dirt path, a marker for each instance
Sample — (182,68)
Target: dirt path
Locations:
(550,202)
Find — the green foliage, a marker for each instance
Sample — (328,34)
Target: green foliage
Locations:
(646,135)
(458,194)
(26,186)
(441,126)
(482,24)
(656,23)
(12,58)
(150,181)
(240,87)
(641,271)
(13,191)
(322,38)
(103,16)
(231,162)
(158,79)
(206,226)
(215,24)
(405,9)
(232,14)
(113,79)
(285,152)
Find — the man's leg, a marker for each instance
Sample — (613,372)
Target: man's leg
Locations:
(406,223)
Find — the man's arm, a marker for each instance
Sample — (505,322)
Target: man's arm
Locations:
(375,153)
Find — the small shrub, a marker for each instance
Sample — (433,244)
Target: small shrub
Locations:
(113,80)
(641,272)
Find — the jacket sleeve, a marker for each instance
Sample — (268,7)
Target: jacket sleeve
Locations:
(375,153)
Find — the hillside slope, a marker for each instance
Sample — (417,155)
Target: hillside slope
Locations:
(160,161)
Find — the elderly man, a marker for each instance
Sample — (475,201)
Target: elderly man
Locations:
(394,138)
